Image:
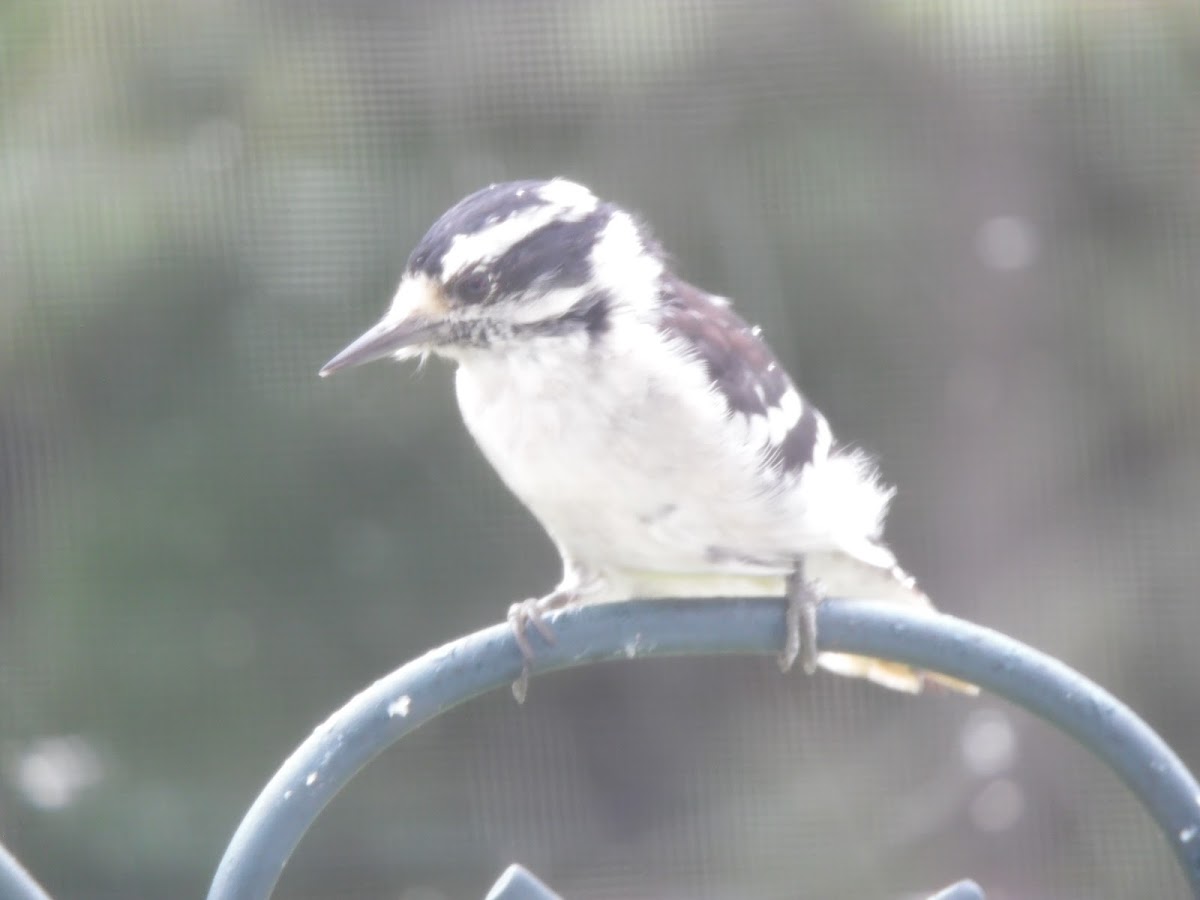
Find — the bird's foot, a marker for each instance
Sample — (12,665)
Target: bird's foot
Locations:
(530,612)
(800,623)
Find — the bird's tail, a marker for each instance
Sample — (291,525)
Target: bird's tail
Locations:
(870,572)
(896,676)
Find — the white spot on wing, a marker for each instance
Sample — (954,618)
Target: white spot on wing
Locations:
(791,405)
(782,417)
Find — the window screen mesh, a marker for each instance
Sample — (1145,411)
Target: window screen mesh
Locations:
(969,228)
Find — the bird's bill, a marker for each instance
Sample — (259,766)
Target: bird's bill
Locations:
(415,318)
(385,339)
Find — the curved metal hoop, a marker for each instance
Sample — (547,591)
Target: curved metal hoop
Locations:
(443,678)
(15,882)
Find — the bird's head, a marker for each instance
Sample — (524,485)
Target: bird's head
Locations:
(512,263)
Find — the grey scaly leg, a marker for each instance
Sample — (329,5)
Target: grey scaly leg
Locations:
(800,623)
(529,612)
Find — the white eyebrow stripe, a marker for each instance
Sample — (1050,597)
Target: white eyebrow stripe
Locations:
(783,417)
(565,201)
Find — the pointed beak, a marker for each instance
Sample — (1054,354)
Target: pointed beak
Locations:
(414,318)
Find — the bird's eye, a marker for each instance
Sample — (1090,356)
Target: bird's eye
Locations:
(474,287)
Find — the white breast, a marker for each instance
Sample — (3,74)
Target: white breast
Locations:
(624,455)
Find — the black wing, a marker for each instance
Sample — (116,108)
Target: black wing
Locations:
(741,365)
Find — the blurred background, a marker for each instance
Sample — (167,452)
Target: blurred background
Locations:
(971,229)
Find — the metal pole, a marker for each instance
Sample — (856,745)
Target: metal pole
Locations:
(15,882)
(443,678)
(518,883)
(963,890)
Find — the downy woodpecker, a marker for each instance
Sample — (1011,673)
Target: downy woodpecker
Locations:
(648,428)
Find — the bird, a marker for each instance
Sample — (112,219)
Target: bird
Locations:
(648,428)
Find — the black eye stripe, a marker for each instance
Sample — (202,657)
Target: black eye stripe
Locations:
(560,253)
(559,250)
(473,286)
(471,215)
(556,255)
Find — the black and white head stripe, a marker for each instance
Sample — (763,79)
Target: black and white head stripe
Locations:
(746,374)
(521,229)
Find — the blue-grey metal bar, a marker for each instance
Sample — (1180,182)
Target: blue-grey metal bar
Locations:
(963,890)
(15,882)
(416,692)
(518,883)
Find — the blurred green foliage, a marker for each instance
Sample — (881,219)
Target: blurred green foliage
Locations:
(971,230)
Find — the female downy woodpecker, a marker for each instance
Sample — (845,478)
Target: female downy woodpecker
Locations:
(649,430)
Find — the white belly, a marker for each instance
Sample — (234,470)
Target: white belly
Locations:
(626,467)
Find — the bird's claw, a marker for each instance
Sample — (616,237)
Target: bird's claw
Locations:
(520,617)
(800,624)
